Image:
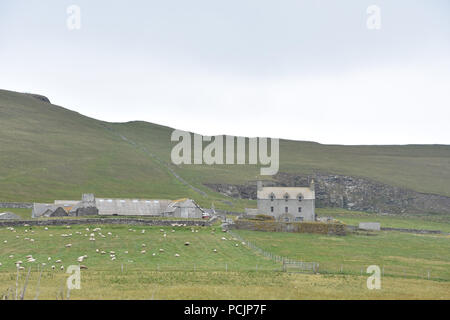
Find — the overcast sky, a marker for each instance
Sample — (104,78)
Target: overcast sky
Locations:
(303,70)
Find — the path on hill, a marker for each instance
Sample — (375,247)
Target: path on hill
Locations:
(158,161)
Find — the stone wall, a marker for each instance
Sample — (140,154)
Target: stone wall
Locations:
(16,205)
(301,227)
(100,221)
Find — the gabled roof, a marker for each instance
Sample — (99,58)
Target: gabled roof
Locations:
(184,203)
(280,192)
(41,209)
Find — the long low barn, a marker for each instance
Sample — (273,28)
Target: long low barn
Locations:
(89,205)
(128,207)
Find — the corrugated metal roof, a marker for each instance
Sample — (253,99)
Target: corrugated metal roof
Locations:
(131,207)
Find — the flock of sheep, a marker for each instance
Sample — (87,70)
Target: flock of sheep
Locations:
(92,235)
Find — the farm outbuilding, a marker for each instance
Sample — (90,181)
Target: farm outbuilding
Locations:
(48,210)
(89,205)
(184,208)
(131,207)
(86,207)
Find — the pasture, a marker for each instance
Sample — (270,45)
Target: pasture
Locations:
(411,221)
(126,262)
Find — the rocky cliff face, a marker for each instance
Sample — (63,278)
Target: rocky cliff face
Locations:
(348,192)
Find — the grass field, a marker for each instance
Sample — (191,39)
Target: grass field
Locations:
(163,285)
(38,142)
(233,272)
(425,221)
(399,254)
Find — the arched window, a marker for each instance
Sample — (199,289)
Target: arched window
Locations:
(286,196)
(299,197)
(272,196)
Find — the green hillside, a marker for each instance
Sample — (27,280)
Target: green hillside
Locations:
(48,152)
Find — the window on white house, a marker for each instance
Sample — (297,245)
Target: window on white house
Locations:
(286,209)
(271,209)
(299,209)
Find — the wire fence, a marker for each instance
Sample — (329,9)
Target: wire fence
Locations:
(400,270)
(289,265)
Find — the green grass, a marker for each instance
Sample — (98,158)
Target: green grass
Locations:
(399,253)
(425,221)
(231,273)
(48,152)
(199,254)
(153,285)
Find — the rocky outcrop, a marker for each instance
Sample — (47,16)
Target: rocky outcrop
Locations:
(348,192)
(39,97)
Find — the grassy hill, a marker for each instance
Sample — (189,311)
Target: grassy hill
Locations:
(48,152)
